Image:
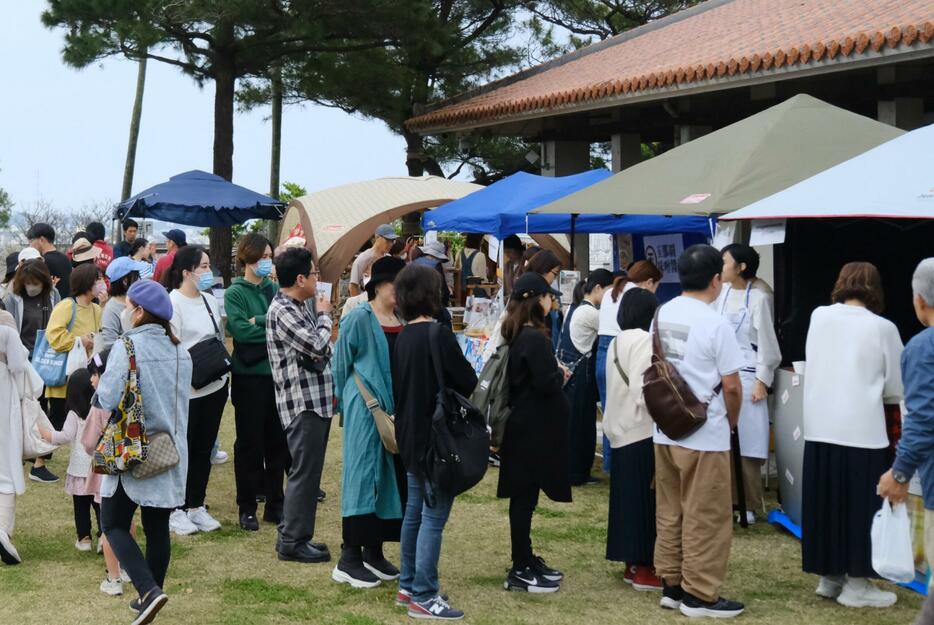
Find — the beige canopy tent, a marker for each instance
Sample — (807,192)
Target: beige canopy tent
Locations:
(735,166)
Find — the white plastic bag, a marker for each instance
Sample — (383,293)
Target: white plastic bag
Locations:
(33,417)
(892,555)
(77,358)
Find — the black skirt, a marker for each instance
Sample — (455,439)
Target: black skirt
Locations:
(368,530)
(631,528)
(582,395)
(838,505)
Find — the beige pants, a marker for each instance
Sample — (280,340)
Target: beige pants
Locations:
(752,483)
(7,512)
(694,519)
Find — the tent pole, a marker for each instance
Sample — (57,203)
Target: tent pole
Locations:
(573,229)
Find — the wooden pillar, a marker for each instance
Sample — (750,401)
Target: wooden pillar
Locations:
(563,158)
(687,132)
(904,113)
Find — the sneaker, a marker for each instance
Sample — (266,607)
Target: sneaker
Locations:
(8,553)
(248,522)
(859,592)
(830,586)
(358,576)
(377,564)
(322,495)
(148,608)
(403,598)
(181,524)
(721,608)
(554,575)
(629,574)
(437,609)
(645,580)
(672,596)
(529,579)
(495,460)
(112,587)
(125,577)
(42,475)
(84,545)
(220,457)
(202,520)
(134,605)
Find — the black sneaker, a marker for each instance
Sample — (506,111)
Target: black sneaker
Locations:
(42,475)
(554,575)
(495,460)
(8,553)
(321,495)
(248,522)
(529,579)
(382,568)
(355,574)
(721,608)
(148,608)
(672,596)
(134,606)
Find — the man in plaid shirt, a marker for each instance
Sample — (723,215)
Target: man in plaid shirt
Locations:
(299,346)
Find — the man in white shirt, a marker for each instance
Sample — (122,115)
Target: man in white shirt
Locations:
(692,475)
(383,239)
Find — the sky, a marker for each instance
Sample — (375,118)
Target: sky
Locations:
(63,132)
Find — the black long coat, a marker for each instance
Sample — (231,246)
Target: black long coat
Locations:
(534,451)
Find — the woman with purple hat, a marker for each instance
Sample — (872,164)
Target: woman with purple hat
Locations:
(165,382)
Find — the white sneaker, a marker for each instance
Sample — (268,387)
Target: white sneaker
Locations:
(830,586)
(220,457)
(859,592)
(125,577)
(100,546)
(750,517)
(202,520)
(181,524)
(83,545)
(112,587)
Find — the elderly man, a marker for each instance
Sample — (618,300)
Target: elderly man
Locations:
(916,447)
(383,239)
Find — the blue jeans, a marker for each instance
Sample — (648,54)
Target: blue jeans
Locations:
(421,539)
(602,347)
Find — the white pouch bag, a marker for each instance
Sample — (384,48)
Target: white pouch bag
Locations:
(77,358)
(892,555)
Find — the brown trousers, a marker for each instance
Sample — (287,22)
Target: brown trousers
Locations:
(694,519)
(752,483)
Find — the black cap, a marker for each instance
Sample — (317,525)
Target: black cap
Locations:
(383,270)
(176,236)
(531,284)
(12,262)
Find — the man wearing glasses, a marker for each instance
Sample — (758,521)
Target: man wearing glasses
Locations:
(299,344)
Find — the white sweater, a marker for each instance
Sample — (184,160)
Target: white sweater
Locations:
(191,323)
(626,420)
(852,369)
(583,327)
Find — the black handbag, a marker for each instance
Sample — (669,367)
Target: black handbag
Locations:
(459,442)
(209,358)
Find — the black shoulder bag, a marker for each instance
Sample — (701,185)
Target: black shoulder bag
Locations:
(459,442)
(209,358)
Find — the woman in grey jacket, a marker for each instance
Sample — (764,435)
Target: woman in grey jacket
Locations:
(165,380)
(30,299)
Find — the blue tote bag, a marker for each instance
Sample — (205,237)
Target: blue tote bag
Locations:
(48,363)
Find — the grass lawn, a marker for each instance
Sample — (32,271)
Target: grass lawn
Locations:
(232,577)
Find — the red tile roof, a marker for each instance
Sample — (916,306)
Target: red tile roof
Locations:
(714,40)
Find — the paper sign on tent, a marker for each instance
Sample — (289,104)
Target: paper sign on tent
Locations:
(695,198)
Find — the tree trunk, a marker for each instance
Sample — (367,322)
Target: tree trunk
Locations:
(415,163)
(224,82)
(276,155)
(130,166)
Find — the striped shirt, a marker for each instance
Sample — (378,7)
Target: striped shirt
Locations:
(293,331)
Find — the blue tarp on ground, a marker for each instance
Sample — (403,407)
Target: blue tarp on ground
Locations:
(502,209)
(197,198)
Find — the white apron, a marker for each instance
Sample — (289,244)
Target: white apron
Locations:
(753,417)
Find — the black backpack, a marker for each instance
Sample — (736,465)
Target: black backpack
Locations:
(459,443)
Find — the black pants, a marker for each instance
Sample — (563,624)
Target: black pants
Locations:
(83,505)
(116,515)
(261,455)
(307,436)
(56,410)
(204,420)
(582,424)
(521,508)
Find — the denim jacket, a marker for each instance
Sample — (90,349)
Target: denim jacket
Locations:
(165,384)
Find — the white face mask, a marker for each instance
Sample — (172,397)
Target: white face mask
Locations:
(32,290)
(126,319)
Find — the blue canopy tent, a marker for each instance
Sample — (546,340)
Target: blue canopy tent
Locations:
(197,198)
(502,209)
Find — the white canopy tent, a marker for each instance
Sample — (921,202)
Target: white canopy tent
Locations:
(894,180)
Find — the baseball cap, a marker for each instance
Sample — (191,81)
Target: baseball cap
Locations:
(387,232)
(176,236)
(121,266)
(531,284)
(28,253)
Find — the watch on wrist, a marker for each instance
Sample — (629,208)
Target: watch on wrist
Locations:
(900,477)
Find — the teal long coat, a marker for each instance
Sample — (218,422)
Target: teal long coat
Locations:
(369,478)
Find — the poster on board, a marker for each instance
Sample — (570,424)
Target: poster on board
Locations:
(663,251)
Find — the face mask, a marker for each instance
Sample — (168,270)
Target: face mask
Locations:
(32,290)
(100,287)
(263,267)
(205,281)
(126,319)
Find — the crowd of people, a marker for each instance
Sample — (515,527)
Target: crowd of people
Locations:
(154,347)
